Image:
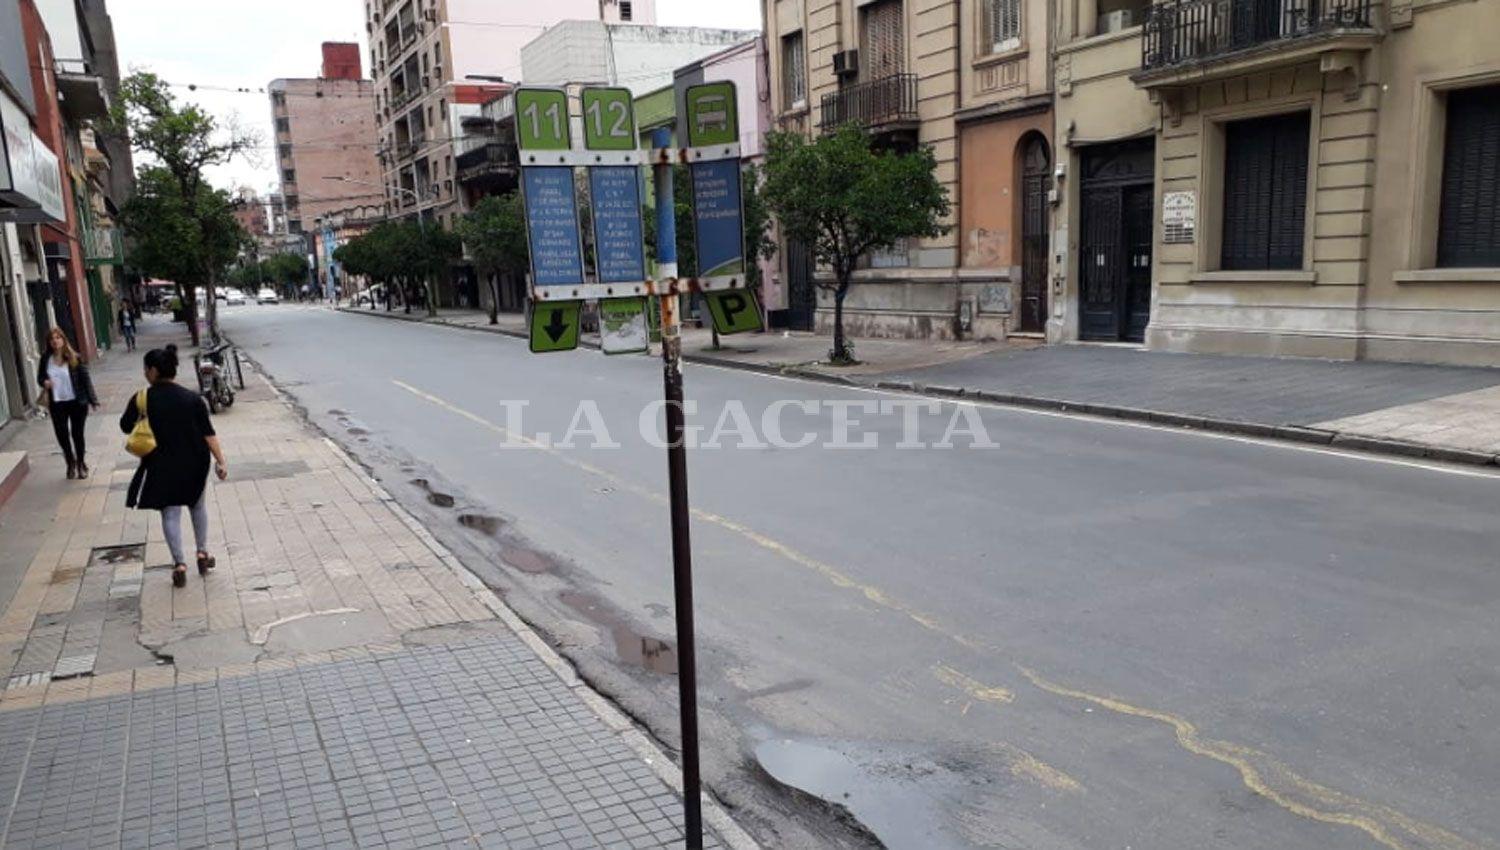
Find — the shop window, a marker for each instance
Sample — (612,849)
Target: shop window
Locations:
(1469,212)
(1265,192)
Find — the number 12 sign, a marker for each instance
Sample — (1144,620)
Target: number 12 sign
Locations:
(608,119)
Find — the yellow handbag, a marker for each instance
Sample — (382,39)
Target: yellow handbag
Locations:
(142,441)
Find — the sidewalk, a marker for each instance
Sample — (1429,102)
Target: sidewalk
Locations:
(1442,412)
(339,680)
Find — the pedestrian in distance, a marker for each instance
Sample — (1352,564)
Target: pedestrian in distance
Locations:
(174,472)
(69,392)
(127,325)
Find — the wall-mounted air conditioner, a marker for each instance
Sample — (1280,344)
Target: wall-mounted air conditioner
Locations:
(846,63)
(1116,21)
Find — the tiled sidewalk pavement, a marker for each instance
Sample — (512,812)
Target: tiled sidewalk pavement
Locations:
(337,681)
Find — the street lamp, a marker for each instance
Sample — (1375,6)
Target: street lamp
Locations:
(421,223)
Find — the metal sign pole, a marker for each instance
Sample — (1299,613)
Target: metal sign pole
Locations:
(682,554)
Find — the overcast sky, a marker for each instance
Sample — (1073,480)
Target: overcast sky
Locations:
(246,45)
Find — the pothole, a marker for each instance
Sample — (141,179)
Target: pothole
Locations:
(481,523)
(529,560)
(631,647)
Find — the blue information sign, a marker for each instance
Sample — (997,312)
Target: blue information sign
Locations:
(618,246)
(552,225)
(717,217)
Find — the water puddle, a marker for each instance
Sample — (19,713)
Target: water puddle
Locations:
(889,795)
(358,432)
(481,523)
(336,412)
(631,647)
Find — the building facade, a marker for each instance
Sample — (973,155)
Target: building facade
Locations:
(972,80)
(325,133)
(1281,177)
(638,57)
(425,57)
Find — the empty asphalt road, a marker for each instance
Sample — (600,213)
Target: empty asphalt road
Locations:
(1089,634)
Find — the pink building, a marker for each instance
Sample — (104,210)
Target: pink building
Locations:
(325,132)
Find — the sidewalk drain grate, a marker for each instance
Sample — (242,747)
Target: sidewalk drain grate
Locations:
(117,554)
(75,665)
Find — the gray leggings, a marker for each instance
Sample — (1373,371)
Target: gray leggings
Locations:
(171,527)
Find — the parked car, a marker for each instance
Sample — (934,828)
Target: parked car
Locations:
(234,298)
(267,296)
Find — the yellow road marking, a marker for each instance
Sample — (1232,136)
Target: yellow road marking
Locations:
(978,690)
(1024,765)
(1260,773)
(1278,783)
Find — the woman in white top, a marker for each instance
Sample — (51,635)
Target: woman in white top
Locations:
(70,395)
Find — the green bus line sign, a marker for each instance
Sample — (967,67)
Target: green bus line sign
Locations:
(542,120)
(609,119)
(712,116)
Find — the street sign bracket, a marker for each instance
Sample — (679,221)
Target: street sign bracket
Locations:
(666,286)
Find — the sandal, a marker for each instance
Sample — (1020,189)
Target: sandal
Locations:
(206,562)
(179,575)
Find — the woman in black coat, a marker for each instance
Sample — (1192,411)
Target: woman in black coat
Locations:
(70,396)
(175,474)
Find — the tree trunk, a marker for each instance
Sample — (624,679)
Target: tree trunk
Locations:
(190,312)
(212,308)
(429,290)
(840,353)
(406,296)
(494,298)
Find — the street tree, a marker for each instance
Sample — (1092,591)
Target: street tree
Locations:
(180,141)
(190,241)
(843,199)
(288,270)
(494,234)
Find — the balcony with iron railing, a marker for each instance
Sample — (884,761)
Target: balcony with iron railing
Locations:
(881,105)
(1195,36)
(491,160)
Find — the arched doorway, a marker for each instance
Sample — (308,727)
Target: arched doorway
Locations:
(1036,179)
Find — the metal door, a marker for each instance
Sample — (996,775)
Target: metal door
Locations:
(1036,178)
(1099,266)
(1137,221)
(801,293)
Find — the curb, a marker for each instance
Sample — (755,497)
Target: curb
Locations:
(715,816)
(1187,421)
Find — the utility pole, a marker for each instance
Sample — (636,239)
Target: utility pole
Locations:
(677,484)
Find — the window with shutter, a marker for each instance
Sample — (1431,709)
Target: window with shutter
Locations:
(1001,27)
(1469,212)
(884,48)
(793,71)
(1265,192)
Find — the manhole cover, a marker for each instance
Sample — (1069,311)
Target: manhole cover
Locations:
(117,554)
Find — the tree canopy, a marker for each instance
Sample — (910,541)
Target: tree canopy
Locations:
(182,228)
(494,236)
(842,198)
